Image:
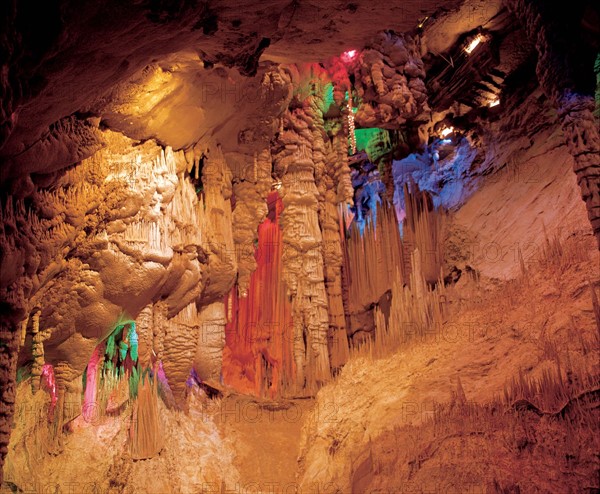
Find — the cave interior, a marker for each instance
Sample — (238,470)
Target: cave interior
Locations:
(328,247)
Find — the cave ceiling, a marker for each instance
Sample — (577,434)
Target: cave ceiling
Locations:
(176,71)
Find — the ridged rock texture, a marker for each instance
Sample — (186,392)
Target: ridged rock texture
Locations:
(299,164)
(208,360)
(121,234)
(182,336)
(258,356)
(250,193)
(336,191)
(575,110)
(389,77)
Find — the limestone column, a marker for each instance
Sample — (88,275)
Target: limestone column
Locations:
(302,250)
(208,360)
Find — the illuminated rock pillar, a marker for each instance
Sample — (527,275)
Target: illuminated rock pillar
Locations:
(335,188)
(258,357)
(250,210)
(8,369)
(303,248)
(180,343)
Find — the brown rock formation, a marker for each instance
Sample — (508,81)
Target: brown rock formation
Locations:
(575,110)
(390,82)
(337,194)
(181,340)
(296,161)
(209,349)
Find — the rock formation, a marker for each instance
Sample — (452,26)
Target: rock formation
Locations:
(390,82)
(228,225)
(575,110)
(299,164)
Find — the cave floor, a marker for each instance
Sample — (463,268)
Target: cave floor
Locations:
(267,436)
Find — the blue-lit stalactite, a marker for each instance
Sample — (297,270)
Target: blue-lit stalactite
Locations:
(372,145)
(368,191)
(443,170)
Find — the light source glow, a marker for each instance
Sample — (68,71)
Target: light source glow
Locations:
(447,131)
(495,102)
(474,43)
(349,55)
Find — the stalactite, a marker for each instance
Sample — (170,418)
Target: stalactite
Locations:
(216,178)
(417,312)
(389,79)
(575,110)
(37,351)
(23,332)
(128,199)
(423,231)
(351,126)
(144,322)
(341,169)
(375,258)
(259,333)
(159,324)
(333,190)
(8,370)
(302,250)
(250,210)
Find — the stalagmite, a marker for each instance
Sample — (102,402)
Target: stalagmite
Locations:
(144,325)
(37,351)
(181,339)
(146,438)
(159,325)
(375,258)
(417,312)
(250,210)
(423,231)
(90,409)
(23,331)
(216,179)
(334,191)
(221,298)
(8,370)
(64,374)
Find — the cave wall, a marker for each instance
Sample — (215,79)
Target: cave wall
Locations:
(131,233)
(122,233)
(575,106)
